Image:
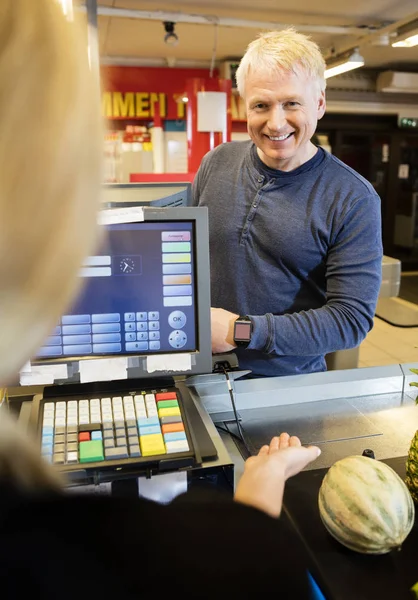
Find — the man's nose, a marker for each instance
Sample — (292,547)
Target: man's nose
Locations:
(277,119)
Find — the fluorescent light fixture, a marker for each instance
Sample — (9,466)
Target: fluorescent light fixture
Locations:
(407,36)
(344,64)
(408,42)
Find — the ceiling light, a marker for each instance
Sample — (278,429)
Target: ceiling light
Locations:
(406,36)
(184,99)
(170,37)
(344,64)
(407,42)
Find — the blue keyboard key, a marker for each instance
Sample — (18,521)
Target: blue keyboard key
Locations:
(148,421)
(96,435)
(149,430)
(47,431)
(175,436)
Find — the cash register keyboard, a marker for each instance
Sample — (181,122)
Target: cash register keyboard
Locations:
(86,431)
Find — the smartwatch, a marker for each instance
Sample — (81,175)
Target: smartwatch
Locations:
(243,328)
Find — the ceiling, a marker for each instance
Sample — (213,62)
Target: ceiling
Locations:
(140,41)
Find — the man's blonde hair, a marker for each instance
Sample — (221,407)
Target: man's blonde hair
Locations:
(285,50)
(50,172)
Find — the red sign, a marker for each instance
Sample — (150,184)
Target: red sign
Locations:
(138,92)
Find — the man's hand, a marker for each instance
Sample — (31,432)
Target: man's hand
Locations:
(222,326)
(264,477)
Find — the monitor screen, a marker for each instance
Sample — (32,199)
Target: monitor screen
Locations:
(146,292)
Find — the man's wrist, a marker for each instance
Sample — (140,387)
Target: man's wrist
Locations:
(243,328)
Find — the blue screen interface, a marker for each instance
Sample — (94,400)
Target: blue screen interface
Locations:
(138,295)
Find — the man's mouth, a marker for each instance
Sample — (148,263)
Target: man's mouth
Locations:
(280,138)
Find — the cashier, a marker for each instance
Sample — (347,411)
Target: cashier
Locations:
(61,545)
(295,234)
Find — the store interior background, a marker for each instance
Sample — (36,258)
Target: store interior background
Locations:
(370,124)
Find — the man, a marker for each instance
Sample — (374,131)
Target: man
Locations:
(295,234)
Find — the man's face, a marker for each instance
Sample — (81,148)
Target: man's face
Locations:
(282,112)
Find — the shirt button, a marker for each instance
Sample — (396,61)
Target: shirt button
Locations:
(254,205)
(260,179)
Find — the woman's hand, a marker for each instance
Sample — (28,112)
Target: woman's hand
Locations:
(262,483)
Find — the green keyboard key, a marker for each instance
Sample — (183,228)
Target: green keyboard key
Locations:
(91,451)
(167,403)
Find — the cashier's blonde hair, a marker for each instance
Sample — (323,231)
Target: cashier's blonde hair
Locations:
(50,171)
(285,50)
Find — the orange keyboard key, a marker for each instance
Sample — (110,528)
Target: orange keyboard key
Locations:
(172,427)
(166,396)
(84,436)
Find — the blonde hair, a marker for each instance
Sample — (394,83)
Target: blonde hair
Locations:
(285,50)
(50,161)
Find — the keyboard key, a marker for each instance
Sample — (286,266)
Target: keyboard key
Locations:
(121,441)
(84,436)
(133,440)
(120,425)
(165,396)
(96,435)
(180,446)
(59,430)
(169,412)
(150,430)
(166,420)
(72,457)
(109,443)
(91,451)
(148,421)
(72,437)
(116,453)
(175,437)
(172,427)
(108,434)
(58,458)
(132,431)
(73,447)
(134,451)
(167,404)
(131,423)
(151,445)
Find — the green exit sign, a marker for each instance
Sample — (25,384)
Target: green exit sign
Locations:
(410,122)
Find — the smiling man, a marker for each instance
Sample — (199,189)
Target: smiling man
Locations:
(295,234)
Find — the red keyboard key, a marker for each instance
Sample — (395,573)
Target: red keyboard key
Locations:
(84,436)
(165,396)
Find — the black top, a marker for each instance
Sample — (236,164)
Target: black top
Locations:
(80,546)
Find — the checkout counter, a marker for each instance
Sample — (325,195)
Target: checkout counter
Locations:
(344,412)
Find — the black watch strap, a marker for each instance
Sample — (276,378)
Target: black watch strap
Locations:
(243,328)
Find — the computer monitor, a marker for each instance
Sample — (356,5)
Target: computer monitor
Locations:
(146,294)
(118,195)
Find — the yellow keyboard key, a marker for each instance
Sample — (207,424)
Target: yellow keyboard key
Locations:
(169,412)
(152,444)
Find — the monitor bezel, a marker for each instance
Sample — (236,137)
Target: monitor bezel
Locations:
(201,359)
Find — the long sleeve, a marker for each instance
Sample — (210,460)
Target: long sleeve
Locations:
(204,548)
(353,277)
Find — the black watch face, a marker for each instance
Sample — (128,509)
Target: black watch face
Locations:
(242,332)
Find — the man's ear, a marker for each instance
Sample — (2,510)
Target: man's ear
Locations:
(321,105)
